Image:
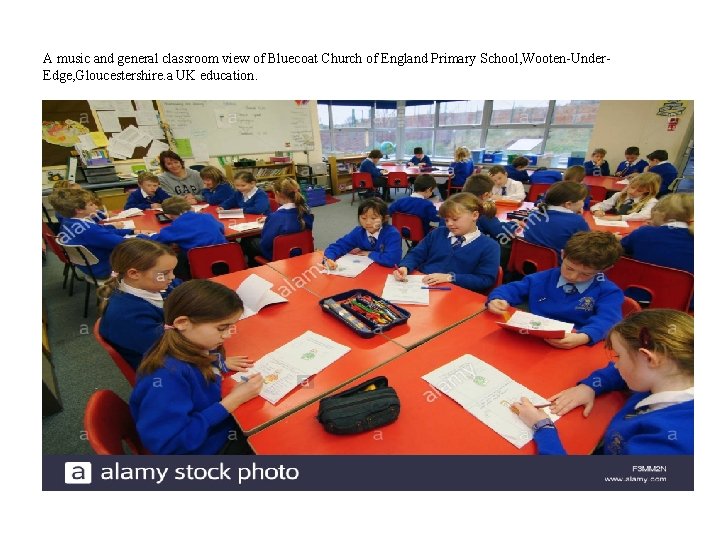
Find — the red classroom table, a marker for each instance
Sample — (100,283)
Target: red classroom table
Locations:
(608,182)
(277,324)
(446,309)
(414,171)
(432,423)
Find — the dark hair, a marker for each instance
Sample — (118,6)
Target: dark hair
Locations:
(596,249)
(660,155)
(418,150)
(520,161)
(563,192)
(165,154)
(497,169)
(215,175)
(201,301)
(632,150)
(576,173)
(478,184)
(424,182)
(175,205)
(599,151)
(375,204)
(245,176)
(290,189)
(375,154)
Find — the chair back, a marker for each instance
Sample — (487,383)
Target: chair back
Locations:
(286,246)
(630,306)
(51,241)
(79,255)
(108,423)
(113,201)
(409,226)
(361,180)
(524,253)
(210,261)
(398,180)
(125,368)
(668,287)
(597,193)
(536,190)
(274,205)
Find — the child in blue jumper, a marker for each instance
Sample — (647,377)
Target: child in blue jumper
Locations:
(247,196)
(177,404)
(659,164)
(597,166)
(657,365)
(419,158)
(149,194)
(374,237)
(132,299)
(632,163)
(217,189)
(457,253)
(518,169)
(459,169)
(558,217)
(419,203)
(577,292)
(369,165)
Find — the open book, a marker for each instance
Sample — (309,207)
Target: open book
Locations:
(610,223)
(249,226)
(406,292)
(535,325)
(256,293)
(130,212)
(230,214)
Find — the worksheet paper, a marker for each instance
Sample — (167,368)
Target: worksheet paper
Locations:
(528,321)
(249,226)
(229,214)
(198,207)
(609,223)
(487,394)
(350,266)
(256,293)
(130,212)
(624,182)
(292,364)
(406,292)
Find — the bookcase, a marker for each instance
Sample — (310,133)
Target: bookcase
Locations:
(265,174)
(341,169)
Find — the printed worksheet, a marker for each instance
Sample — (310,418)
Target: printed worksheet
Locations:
(292,364)
(249,226)
(609,223)
(528,321)
(350,266)
(256,293)
(406,292)
(130,212)
(229,214)
(487,394)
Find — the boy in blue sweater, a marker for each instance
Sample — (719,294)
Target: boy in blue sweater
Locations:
(660,165)
(189,229)
(518,169)
(457,253)
(375,237)
(577,292)
(247,196)
(78,207)
(419,158)
(597,166)
(217,188)
(369,165)
(632,163)
(545,176)
(419,204)
(658,366)
(149,194)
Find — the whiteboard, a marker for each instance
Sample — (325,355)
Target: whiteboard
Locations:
(224,128)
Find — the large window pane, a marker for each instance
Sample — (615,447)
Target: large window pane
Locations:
(323,116)
(419,116)
(350,116)
(562,142)
(326,141)
(519,112)
(385,142)
(447,140)
(352,141)
(575,112)
(385,118)
(418,137)
(456,113)
(515,141)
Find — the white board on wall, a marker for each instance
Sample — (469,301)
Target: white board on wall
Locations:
(241,127)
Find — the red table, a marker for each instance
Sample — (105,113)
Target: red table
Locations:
(277,324)
(414,171)
(608,182)
(446,309)
(432,423)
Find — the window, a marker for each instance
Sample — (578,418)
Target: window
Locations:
(418,137)
(575,112)
(417,116)
(350,116)
(519,112)
(461,113)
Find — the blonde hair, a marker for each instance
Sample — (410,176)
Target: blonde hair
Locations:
(175,206)
(649,182)
(675,207)
(479,185)
(290,189)
(146,176)
(599,152)
(213,174)
(462,153)
(460,203)
(67,201)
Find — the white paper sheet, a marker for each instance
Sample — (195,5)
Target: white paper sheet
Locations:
(101,105)
(130,135)
(406,292)
(130,212)
(109,121)
(155,148)
(86,142)
(609,223)
(123,107)
(144,104)
(146,118)
(230,214)
(292,364)
(200,150)
(624,181)
(145,138)
(156,132)
(249,226)
(129,224)
(256,293)
(119,148)
(350,266)
(198,207)
(487,394)
(523,319)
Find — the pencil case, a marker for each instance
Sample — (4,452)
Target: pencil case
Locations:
(365,313)
(361,408)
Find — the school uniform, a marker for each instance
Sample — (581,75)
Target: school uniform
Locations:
(593,306)
(553,227)
(140,199)
(668,173)
(182,413)
(546,177)
(424,162)
(593,170)
(626,168)
(378,178)
(648,424)
(461,171)
(99,239)
(385,247)
(610,206)
(520,176)
(219,194)
(513,190)
(496,229)
(283,221)
(417,205)
(473,261)
(256,202)
(192,229)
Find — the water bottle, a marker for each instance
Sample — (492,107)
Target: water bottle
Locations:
(451,171)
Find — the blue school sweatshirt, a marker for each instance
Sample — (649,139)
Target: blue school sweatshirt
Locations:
(386,252)
(592,170)
(369,167)
(546,177)
(425,161)
(496,229)
(219,194)
(669,430)
(99,239)
(461,171)
(593,312)
(673,247)
(668,173)
(136,199)
(192,229)
(282,221)
(520,176)
(475,265)
(422,208)
(177,411)
(259,203)
(625,168)
(553,228)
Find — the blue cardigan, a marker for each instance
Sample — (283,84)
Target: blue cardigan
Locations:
(192,229)
(425,161)
(553,228)
(461,171)
(496,229)
(369,167)
(593,312)
(520,176)
(99,239)
(136,199)
(673,247)
(546,177)
(669,430)
(668,173)
(592,170)
(183,415)
(257,204)
(282,221)
(625,168)
(422,208)
(475,265)
(219,194)
(387,250)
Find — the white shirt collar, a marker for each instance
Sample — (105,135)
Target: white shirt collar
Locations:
(249,195)
(287,206)
(666,399)
(560,209)
(469,237)
(155,299)
(676,225)
(666,161)
(143,193)
(417,195)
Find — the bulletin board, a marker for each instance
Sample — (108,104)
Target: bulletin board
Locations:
(127,113)
(62,122)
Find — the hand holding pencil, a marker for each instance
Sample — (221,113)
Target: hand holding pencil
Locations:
(400,273)
(528,412)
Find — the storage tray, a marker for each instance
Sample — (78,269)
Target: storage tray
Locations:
(364,325)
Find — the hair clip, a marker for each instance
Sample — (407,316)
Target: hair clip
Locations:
(114,274)
(168,327)
(646,341)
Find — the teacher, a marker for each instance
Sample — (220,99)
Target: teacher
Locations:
(177,180)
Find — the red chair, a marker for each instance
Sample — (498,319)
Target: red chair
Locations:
(536,190)
(274,205)
(286,246)
(524,253)
(668,287)
(630,306)
(125,368)
(409,226)
(360,181)
(210,261)
(398,180)
(109,424)
(597,193)
(69,269)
